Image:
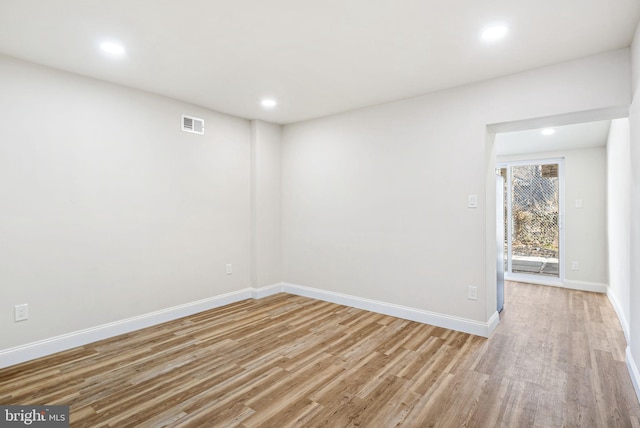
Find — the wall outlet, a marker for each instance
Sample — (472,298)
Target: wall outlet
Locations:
(578,203)
(575,265)
(229,269)
(21,312)
(473,292)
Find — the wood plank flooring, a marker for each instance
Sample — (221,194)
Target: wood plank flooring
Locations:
(557,359)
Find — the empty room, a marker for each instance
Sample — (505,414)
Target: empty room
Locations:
(319,213)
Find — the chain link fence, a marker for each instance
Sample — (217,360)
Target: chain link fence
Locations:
(534,206)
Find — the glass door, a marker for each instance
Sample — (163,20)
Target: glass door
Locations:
(533,220)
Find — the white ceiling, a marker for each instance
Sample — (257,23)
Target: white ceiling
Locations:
(315,57)
(569,137)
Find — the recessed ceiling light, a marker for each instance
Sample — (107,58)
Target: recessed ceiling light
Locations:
(495,32)
(548,131)
(269,103)
(112,48)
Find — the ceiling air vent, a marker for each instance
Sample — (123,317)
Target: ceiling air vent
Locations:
(192,124)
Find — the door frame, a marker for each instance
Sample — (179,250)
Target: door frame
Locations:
(531,278)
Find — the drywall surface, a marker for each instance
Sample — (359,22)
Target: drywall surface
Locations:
(109,210)
(585,228)
(634,288)
(619,215)
(375,200)
(266,158)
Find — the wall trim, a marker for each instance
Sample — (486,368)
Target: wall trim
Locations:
(595,287)
(269,290)
(633,372)
(618,308)
(40,348)
(493,322)
(533,279)
(419,315)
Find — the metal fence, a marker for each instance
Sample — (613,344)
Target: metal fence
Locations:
(534,206)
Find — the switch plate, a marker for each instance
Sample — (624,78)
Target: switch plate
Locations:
(21,312)
(473,201)
(578,203)
(473,292)
(229,269)
(575,265)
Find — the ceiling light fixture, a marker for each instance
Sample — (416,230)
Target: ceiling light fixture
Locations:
(548,131)
(112,48)
(268,103)
(494,32)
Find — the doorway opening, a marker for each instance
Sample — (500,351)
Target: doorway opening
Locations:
(581,141)
(533,213)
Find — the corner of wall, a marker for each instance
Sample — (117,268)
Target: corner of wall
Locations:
(490,224)
(266,203)
(633,352)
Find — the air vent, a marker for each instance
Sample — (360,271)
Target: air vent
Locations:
(192,124)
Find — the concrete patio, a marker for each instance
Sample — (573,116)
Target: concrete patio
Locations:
(535,265)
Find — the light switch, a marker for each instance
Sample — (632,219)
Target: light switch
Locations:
(578,203)
(473,201)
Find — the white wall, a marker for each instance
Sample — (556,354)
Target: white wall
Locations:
(634,292)
(619,217)
(584,228)
(266,158)
(374,201)
(108,209)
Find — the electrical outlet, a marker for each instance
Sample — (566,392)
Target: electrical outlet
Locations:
(578,203)
(473,292)
(229,269)
(21,312)
(575,265)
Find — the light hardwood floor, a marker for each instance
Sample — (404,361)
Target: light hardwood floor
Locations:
(556,359)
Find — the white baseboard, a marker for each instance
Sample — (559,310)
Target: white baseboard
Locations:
(426,317)
(633,372)
(616,306)
(595,287)
(493,323)
(30,351)
(534,279)
(259,293)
